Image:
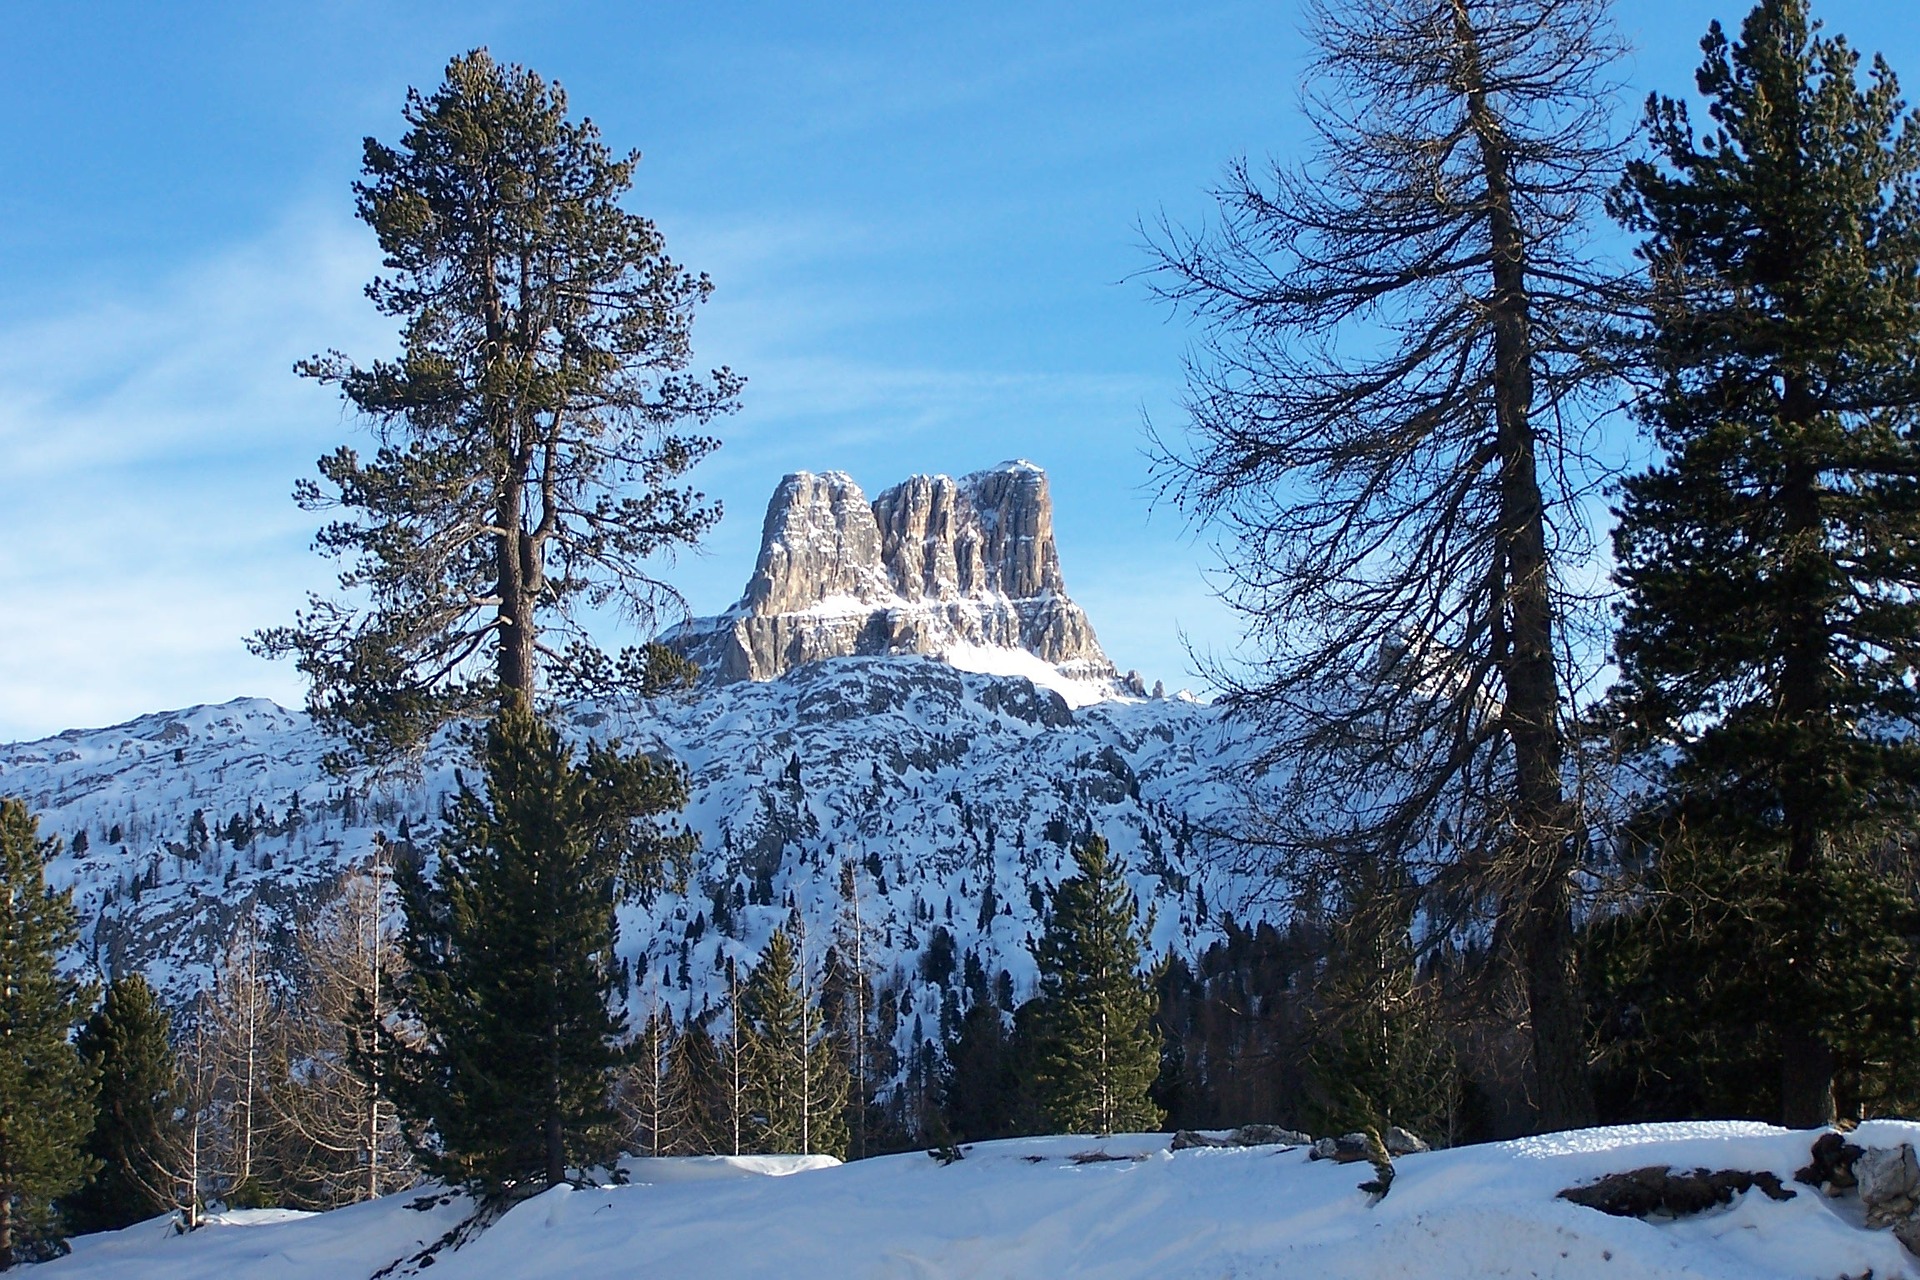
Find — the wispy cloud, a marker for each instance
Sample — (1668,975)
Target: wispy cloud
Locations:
(150,440)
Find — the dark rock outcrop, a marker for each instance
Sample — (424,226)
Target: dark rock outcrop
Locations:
(1659,1190)
(1832,1166)
(1247,1135)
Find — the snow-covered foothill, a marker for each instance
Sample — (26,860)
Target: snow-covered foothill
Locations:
(1076,1206)
(943,787)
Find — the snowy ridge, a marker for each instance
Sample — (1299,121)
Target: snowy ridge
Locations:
(1116,1207)
(956,795)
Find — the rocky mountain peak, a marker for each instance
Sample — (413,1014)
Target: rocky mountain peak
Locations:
(933,565)
(988,534)
(819,543)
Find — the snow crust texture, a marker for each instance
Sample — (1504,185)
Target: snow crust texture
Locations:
(1037,1207)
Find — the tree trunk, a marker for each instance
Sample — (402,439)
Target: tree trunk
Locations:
(556,1149)
(1806,1059)
(515,662)
(1542,912)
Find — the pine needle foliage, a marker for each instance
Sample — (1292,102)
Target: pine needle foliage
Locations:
(531,433)
(1769,644)
(126,1043)
(1099,1051)
(510,948)
(796,1093)
(1687,1022)
(46,1090)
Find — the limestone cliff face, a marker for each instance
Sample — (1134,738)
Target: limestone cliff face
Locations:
(819,543)
(933,563)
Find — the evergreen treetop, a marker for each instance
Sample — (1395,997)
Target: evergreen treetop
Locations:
(531,433)
(796,1081)
(1099,1051)
(46,1091)
(1770,638)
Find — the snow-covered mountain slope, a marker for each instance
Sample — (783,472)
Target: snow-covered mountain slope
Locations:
(1040,1207)
(956,794)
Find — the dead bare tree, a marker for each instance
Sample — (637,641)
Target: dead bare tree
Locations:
(338,1135)
(1393,404)
(242,1029)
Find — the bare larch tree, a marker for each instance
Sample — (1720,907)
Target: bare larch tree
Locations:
(1393,403)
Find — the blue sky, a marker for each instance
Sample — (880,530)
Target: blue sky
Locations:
(921,219)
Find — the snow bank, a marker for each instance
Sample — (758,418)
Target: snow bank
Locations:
(1041,1207)
(988,660)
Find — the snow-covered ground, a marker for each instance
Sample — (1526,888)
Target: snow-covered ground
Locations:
(1028,1208)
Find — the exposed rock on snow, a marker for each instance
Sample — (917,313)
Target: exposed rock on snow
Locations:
(1401,1142)
(1889,1184)
(931,566)
(1348,1148)
(1247,1135)
(1886,1179)
(1659,1190)
(1832,1166)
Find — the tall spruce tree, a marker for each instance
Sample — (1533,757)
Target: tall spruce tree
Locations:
(46,1090)
(1098,1050)
(1770,640)
(136,1139)
(511,952)
(530,433)
(796,1089)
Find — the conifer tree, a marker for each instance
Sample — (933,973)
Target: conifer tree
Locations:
(1771,562)
(1098,1049)
(511,953)
(136,1138)
(1390,413)
(46,1090)
(796,1083)
(530,433)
